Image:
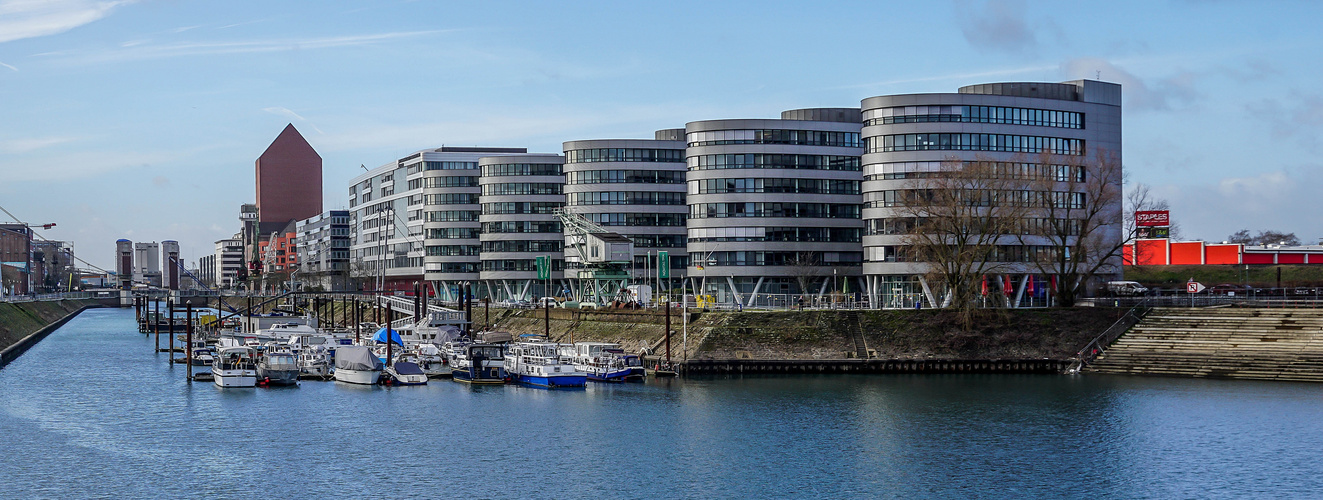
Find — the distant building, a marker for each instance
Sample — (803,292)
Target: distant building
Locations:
(289,182)
(228,260)
(170,266)
(278,252)
(124,263)
(15,259)
(53,265)
(147,260)
(520,194)
(207,270)
(323,250)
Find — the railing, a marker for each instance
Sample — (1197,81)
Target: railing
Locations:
(48,297)
(1099,345)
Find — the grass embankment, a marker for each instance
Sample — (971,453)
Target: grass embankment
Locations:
(18,320)
(907,334)
(1259,276)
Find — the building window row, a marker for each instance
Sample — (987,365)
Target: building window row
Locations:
(624,154)
(997,170)
(520,226)
(998,253)
(523,246)
(521,188)
(796,137)
(979,198)
(637,219)
(452,216)
(444,182)
(976,114)
(624,198)
(798,259)
(754,160)
(625,177)
(657,240)
(448,233)
(974,142)
(452,267)
(452,199)
(451,165)
(505,169)
(645,262)
(773,185)
(1023,226)
(777,234)
(771,209)
(453,250)
(521,207)
(519,265)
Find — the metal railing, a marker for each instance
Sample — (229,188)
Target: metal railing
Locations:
(1099,344)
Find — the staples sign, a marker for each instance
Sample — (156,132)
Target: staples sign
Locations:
(1152,218)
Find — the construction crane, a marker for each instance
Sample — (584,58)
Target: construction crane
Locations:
(603,256)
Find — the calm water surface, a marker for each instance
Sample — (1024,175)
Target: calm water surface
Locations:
(92,412)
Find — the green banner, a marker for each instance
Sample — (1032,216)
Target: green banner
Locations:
(544,267)
(663,265)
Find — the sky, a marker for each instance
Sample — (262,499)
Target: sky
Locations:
(142,119)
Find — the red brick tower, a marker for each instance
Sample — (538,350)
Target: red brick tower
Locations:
(289,181)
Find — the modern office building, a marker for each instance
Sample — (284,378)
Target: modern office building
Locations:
(147,260)
(229,259)
(416,219)
(520,195)
(913,137)
(635,187)
(774,205)
(289,182)
(323,250)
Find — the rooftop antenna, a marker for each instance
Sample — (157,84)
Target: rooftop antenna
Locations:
(1097,74)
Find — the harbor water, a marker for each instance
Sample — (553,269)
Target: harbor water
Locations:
(92,411)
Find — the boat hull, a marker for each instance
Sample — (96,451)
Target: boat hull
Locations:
(234,378)
(364,377)
(466,376)
(554,381)
(278,377)
(635,374)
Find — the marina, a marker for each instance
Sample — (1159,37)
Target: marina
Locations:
(133,426)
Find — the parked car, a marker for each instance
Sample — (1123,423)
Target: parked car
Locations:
(1229,289)
(514,304)
(1126,288)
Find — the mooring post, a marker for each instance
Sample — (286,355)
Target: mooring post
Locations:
(358,321)
(156,323)
(668,333)
(546,319)
(248,324)
(487,310)
(468,307)
(170,330)
(332,306)
(389,342)
(188,339)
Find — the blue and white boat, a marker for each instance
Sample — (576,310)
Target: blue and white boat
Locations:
(540,364)
(477,363)
(606,362)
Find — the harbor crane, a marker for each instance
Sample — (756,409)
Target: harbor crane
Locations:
(600,257)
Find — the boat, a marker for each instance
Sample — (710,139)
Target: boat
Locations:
(478,363)
(540,364)
(430,359)
(202,356)
(234,367)
(314,362)
(606,362)
(357,365)
(405,373)
(278,368)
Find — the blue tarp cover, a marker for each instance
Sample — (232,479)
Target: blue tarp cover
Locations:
(394,336)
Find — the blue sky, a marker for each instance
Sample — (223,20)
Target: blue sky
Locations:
(142,119)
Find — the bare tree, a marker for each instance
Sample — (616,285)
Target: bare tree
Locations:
(959,217)
(1137,199)
(1075,232)
(805,268)
(1268,237)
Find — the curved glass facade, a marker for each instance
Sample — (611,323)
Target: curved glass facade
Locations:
(520,194)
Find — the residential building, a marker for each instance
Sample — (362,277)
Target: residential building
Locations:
(774,205)
(228,262)
(635,187)
(913,138)
(520,196)
(323,250)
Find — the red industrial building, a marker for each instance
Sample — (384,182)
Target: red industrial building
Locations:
(289,182)
(1163,252)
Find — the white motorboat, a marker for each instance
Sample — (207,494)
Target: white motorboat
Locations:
(278,368)
(405,373)
(477,363)
(357,365)
(429,359)
(314,362)
(234,367)
(606,362)
(540,364)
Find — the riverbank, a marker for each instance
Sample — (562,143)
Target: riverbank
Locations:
(20,321)
(1025,334)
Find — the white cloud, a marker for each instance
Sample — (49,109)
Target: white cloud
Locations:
(1276,200)
(282,111)
(998,25)
(147,50)
(32,143)
(8,66)
(21,19)
(1138,93)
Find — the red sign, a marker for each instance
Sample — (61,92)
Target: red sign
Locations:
(1152,218)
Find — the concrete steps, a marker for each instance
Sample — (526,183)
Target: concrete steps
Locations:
(1258,344)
